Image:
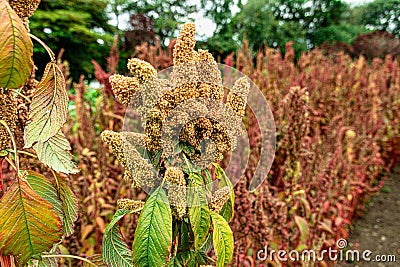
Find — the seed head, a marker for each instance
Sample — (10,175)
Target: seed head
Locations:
(183,50)
(24,8)
(219,198)
(141,69)
(124,87)
(8,113)
(237,98)
(176,191)
(129,204)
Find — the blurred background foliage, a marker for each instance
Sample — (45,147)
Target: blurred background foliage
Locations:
(85,28)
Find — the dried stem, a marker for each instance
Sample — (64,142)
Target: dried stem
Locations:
(14,144)
(48,50)
(69,256)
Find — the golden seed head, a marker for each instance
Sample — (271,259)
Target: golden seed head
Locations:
(219,198)
(237,98)
(129,204)
(176,191)
(141,69)
(175,175)
(124,87)
(114,140)
(8,113)
(24,8)
(183,50)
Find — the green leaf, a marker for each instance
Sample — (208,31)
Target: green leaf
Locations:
(223,240)
(185,242)
(199,212)
(48,110)
(227,210)
(303,227)
(153,235)
(69,205)
(183,259)
(55,154)
(207,245)
(16,49)
(96,259)
(48,262)
(3,153)
(43,187)
(115,251)
(29,225)
(208,180)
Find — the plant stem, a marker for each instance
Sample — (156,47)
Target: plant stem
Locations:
(1,178)
(48,50)
(22,95)
(11,163)
(14,144)
(69,256)
(211,259)
(23,152)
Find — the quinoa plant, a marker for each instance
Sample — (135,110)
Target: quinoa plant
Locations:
(187,130)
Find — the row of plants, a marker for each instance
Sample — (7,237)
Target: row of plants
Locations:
(337,134)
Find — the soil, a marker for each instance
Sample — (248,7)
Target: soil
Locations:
(378,230)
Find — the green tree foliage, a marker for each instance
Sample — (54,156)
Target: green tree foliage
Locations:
(275,22)
(79,26)
(322,19)
(257,22)
(225,37)
(381,15)
(167,16)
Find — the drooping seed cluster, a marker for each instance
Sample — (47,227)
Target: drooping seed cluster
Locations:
(24,8)
(129,204)
(238,96)
(124,87)
(8,113)
(137,169)
(177,192)
(219,198)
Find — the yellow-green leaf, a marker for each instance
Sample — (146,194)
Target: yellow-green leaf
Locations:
(29,225)
(55,154)
(48,110)
(199,212)
(153,235)
(69,205)
(115,251)
(222,239)
(16,49)
(302,224)
(43,187)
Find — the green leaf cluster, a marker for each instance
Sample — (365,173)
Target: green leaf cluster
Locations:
(162,239)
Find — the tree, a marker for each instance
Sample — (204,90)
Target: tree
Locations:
(257,22)
(166,16)
(320,18)
(381,15)
(79,26)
